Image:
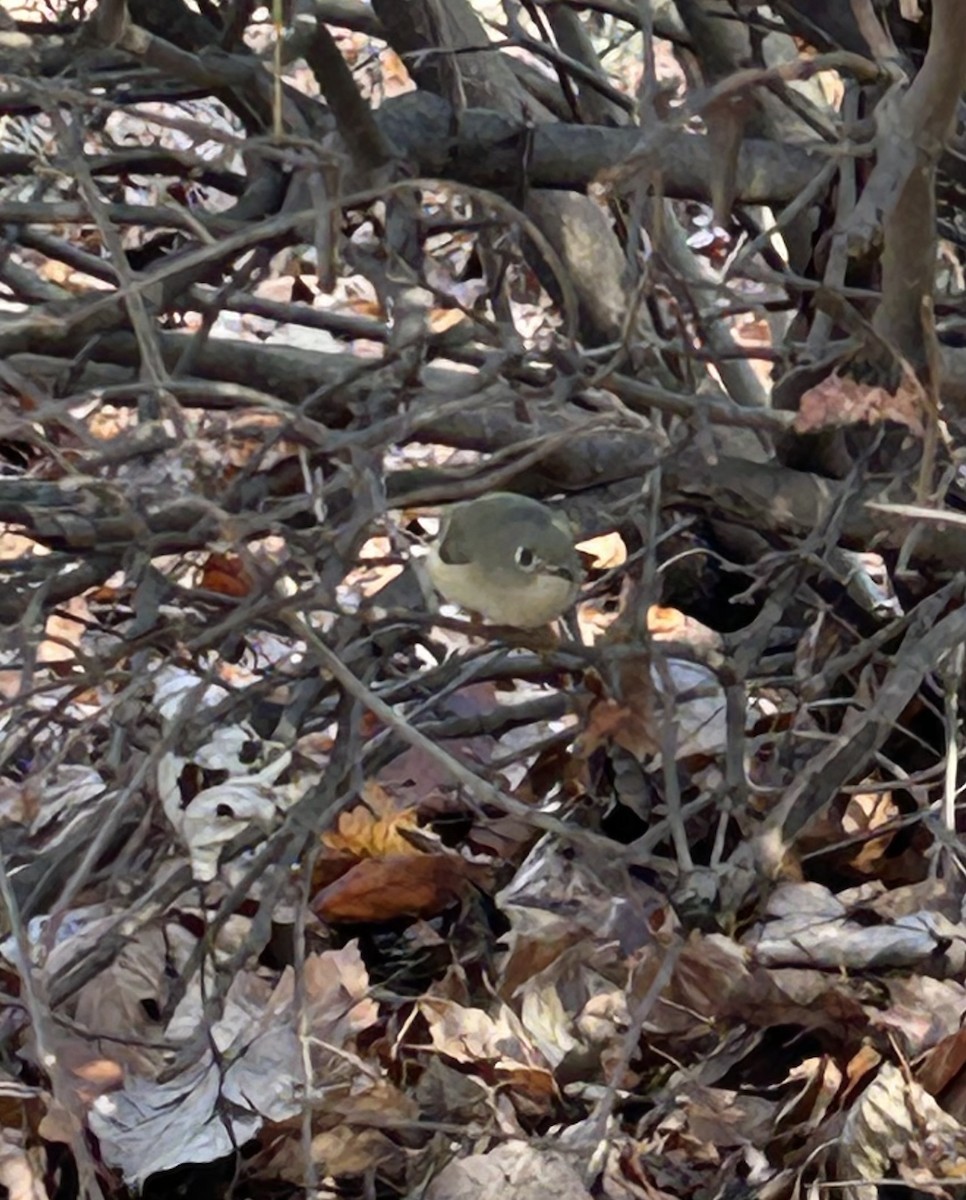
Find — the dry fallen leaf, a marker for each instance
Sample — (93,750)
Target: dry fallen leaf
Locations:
(200,1111)
(227,575)
(497,1045)
(375,828)
(621,724)
(895,1123)
(607,551)
(347,1151)
(64,630)
(18,1174)
(627,719)
(943,1063)
(513,1171)
(395,885)
(840,400)
(443,319)
(666,621)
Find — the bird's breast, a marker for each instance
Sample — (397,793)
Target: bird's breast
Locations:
(517,598)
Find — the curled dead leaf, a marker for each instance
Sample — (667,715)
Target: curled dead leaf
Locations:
(607,551)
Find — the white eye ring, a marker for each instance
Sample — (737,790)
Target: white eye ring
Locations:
(525,558)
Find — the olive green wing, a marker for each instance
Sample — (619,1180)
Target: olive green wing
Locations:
(452,546)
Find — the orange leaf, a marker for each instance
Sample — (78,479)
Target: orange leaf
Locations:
(442,319)
(399,885)
(226,574)
(374,828)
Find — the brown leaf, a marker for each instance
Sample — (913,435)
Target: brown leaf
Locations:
(859,1068)
(943,1063)
(623,709)
(346,1151)
(397,885)
(840,400)
(496,1045)
(621,724)
(226,575)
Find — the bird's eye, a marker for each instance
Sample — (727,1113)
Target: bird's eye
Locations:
(525,557)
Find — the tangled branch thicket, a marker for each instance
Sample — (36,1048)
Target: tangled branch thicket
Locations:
(309,886)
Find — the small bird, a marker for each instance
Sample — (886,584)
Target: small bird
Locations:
(508,558)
